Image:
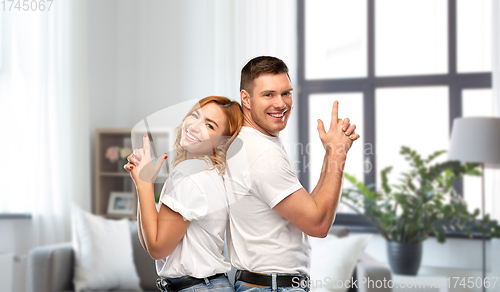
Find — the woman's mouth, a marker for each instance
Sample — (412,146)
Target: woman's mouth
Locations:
(192,137)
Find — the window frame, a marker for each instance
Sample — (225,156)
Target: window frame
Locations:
(456,82)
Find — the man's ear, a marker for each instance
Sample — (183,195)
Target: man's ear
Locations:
(245,99)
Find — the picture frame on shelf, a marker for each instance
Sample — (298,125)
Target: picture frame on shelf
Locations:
(121,203)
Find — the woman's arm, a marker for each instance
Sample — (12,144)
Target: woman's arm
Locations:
(139,227)
(162,230)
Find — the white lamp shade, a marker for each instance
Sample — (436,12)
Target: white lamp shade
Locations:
(475,140)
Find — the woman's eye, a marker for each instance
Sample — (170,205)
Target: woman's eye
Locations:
(210,126)
(194,115)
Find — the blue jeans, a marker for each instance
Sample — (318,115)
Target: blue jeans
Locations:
(219,284)
(241,286)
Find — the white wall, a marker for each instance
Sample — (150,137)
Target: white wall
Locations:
(143,58)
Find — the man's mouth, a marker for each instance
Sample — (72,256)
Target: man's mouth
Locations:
(278,115)
(192,137)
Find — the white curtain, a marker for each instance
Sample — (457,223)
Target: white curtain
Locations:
(44,121)
(242,30)
(495,185)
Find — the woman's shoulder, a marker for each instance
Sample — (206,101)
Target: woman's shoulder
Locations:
(197,170)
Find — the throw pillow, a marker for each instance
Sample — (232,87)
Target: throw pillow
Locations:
(103,253)
(333,261)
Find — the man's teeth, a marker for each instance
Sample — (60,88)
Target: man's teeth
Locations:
(278,115)
(192,137)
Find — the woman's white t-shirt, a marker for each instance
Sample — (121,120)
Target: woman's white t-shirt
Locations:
(198,194)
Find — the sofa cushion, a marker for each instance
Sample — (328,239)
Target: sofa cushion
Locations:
(103,253)
(333,261)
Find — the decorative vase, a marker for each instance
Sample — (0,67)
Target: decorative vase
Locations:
(404,258)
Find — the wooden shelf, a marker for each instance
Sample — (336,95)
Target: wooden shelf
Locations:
(125,174)
(108,176)
(114,174)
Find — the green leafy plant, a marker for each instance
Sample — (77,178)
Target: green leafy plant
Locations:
(422,203)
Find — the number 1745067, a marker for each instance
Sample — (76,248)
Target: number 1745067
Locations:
(26,5)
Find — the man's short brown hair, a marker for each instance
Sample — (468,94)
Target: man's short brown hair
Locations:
(258,66)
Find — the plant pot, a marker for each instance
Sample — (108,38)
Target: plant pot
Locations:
(404,258)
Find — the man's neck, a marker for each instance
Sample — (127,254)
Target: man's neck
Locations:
(248,122)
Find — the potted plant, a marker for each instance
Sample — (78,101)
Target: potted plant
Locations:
(423,203)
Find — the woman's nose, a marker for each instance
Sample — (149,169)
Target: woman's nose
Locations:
(196,127)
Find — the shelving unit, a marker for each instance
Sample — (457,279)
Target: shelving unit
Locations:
(111,177)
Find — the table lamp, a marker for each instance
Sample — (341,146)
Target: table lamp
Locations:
(476,140)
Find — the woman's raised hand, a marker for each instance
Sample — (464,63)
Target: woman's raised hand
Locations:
(140,167)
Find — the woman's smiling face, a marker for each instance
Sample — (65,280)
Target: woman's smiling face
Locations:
(201,127)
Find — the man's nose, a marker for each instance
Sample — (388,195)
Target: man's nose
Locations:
(279,102)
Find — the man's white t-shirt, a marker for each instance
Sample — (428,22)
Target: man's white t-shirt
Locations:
(199,196)
(258,176)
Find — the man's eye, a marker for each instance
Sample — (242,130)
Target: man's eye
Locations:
(287,93)
(210,126)
(268,95)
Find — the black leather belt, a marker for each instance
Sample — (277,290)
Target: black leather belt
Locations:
(267,280)
(165,285)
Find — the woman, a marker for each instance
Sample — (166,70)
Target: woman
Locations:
(186,235)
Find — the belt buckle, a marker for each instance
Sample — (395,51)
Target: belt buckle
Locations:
(162,284)
(305,282)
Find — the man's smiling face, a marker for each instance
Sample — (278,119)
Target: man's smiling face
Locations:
(271,103)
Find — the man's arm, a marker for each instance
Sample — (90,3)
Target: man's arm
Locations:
(321,177)
(314,213)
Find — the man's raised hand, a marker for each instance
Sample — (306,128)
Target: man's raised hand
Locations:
(335,140)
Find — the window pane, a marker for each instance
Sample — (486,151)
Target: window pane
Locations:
(411,37)
(474,35)
(477,103)
(412,117)
(320,107)
(335,34)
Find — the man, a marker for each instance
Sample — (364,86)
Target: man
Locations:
(271,214)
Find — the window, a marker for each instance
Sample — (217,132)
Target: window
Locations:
(401,70)
(1,34)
